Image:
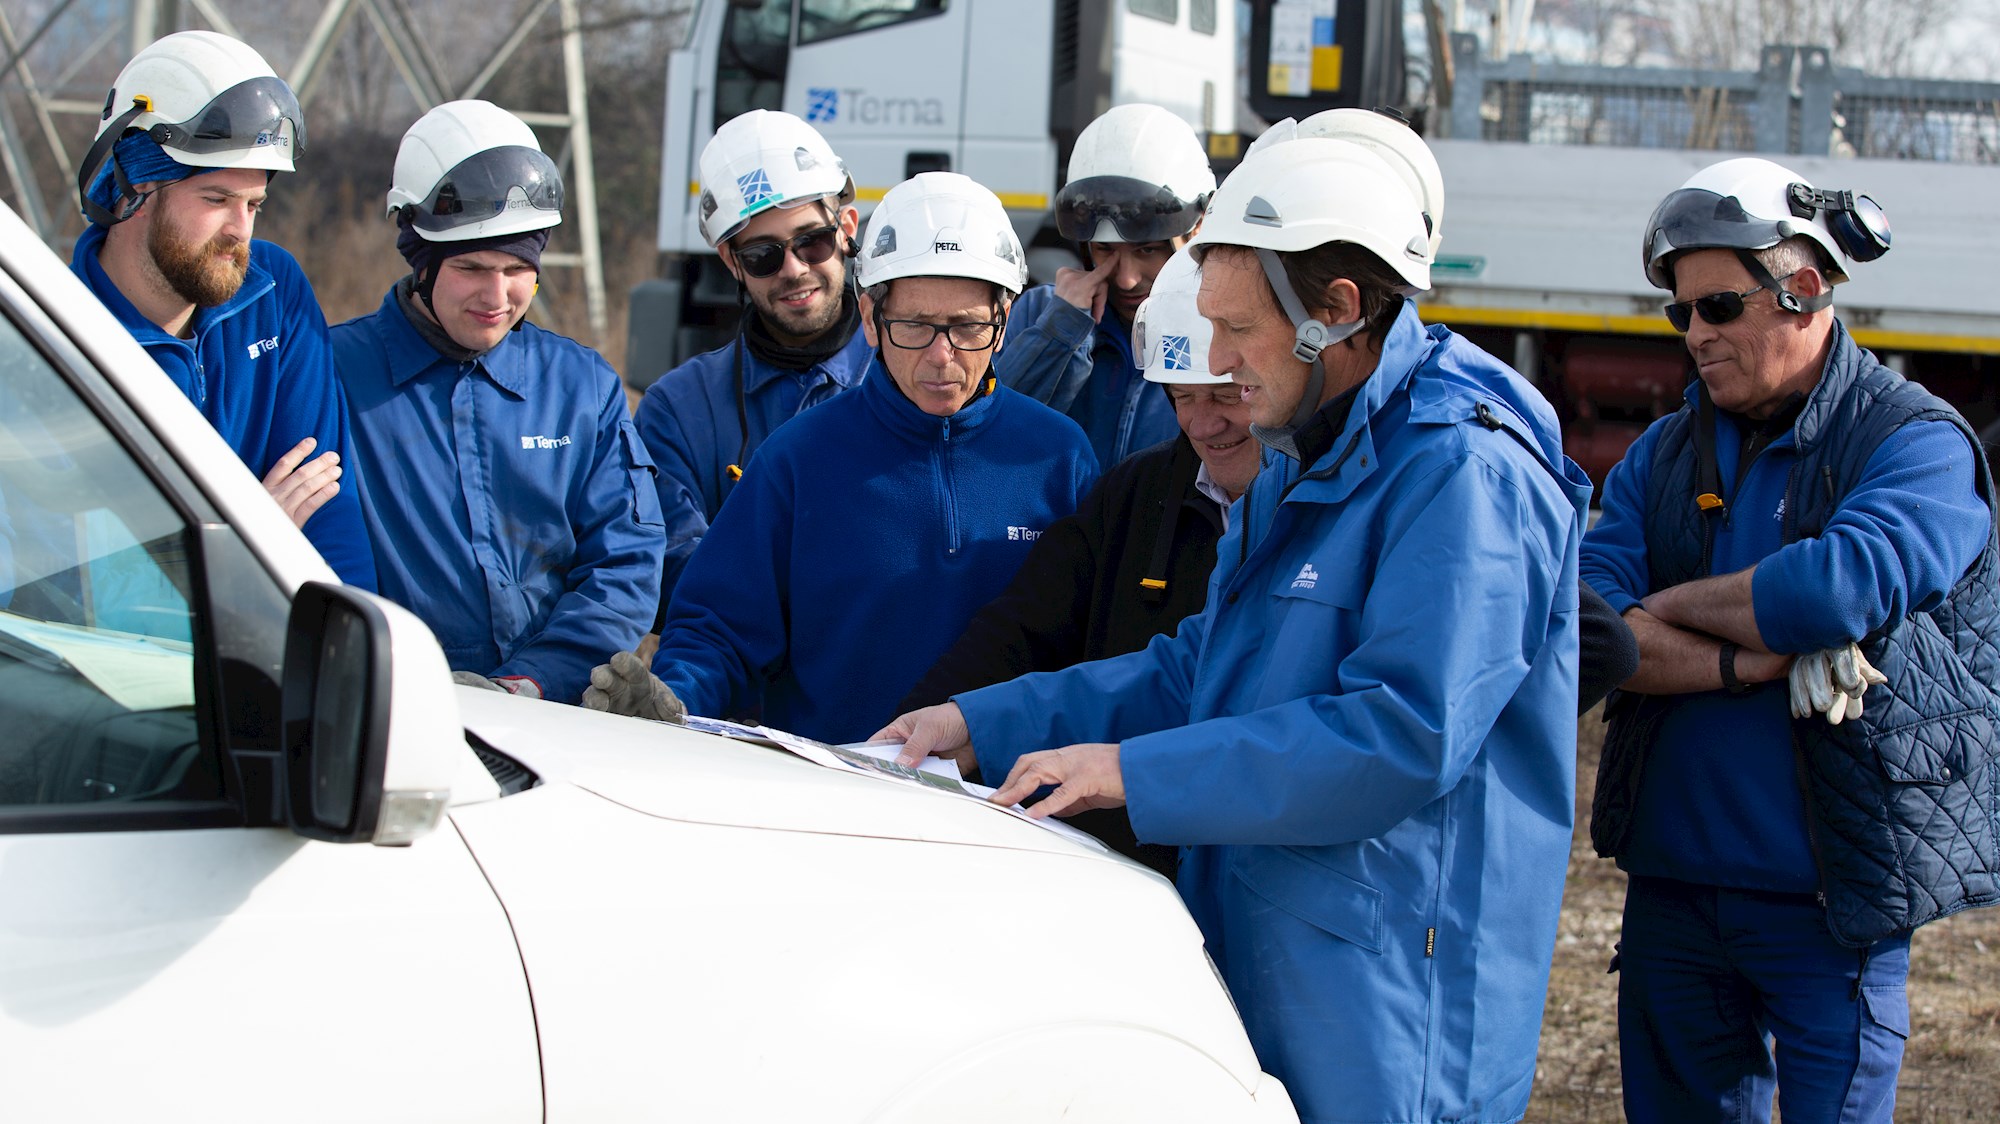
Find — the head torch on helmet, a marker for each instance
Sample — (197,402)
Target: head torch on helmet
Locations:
(1139,211)
(488,184)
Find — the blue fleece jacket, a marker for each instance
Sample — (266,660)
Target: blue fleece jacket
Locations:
(511,504)
(688,421)
(258,368)
(861,539)
(1057,356)
(1721,804)
(1366,739)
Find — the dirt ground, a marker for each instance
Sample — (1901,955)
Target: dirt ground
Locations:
(1951,1070)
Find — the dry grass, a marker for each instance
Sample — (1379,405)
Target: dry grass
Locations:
(1951,1070)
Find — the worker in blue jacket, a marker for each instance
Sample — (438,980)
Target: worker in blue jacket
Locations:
(195,127)
(1809,533)
(1365,742)
(867,532)
(1138,180)
(778,207)
(511,504)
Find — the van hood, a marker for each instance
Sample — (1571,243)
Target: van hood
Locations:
(676,773)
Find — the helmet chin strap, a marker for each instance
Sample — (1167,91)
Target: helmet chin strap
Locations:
(1787,300)
(1310,338)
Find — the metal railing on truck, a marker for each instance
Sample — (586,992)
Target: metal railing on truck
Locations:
(1796,101)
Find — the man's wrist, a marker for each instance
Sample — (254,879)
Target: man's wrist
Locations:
(1726,660)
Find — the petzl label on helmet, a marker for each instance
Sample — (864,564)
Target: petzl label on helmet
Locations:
(756,190)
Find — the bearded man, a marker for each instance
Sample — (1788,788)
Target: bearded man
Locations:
(194,129)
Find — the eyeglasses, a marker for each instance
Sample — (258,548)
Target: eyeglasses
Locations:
(1716,308)
(762,259)
(915,335)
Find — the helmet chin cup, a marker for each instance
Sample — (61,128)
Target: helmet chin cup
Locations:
(1310,338)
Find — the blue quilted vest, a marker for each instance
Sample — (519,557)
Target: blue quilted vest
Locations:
(1903,804)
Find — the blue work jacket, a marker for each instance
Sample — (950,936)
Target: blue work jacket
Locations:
(861,540)
(1057,356)
(688,421)
(1366,742)
(511,504)
(258,368)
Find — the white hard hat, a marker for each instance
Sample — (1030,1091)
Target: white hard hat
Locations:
(1749,203)
(1169,336)
(941,224)
(207,100)
(1389,137)
(469,169)
(210,101)
(764,159)
(1308,192)
(1137,174)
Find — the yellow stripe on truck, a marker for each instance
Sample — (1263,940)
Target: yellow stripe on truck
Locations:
(1012,200)
(1451,314)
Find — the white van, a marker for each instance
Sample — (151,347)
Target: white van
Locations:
(261,859)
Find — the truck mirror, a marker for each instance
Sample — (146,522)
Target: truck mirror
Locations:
(369,719)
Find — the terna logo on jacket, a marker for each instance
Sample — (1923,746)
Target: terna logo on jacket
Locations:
(1307,579)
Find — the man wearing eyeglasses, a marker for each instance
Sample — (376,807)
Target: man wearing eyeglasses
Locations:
(510,502)
(1134,559)
(867,532)
(194,129)
(1138,180)
(777,206)
(1801,771)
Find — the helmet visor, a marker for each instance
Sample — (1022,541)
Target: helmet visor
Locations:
(251,114)
(1697,219)
(489,184)
(1139,211)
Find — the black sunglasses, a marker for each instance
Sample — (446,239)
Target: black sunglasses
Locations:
(1716,308)
(762,259)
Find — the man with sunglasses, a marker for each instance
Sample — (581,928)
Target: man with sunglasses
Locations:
(777,206)
(1786,812)
(510,502)
(194,129)
(1138,180)
(866,533)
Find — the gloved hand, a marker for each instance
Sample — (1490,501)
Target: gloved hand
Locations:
(1831,682)
(627,686)
(512,684)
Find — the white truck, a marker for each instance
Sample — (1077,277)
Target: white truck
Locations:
(1550,170)
(260,857)
(997,91)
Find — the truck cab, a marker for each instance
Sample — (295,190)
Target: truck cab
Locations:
(897,87)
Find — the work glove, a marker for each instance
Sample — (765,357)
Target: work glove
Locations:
(1831,682)
(512,684)
(627,686)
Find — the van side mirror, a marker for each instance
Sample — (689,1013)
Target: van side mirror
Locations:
(371,730)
